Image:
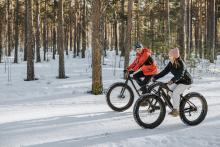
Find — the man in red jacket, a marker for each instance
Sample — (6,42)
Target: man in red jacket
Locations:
(143,66)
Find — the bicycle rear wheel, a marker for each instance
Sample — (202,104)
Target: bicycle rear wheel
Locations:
(193,109)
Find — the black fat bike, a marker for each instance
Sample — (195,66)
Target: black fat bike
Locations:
(193,107)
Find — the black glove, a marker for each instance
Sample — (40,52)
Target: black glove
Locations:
(131,72)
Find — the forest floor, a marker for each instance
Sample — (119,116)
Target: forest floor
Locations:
(54,112)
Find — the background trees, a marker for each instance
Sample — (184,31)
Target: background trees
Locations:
(191,25)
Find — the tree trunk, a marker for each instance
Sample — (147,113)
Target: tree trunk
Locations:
(60,40)
(167,23)
(9,31)
(54,30)
(189,29)
(152,34)
(1,42)
(75,37)
(84,29)
(66,40)
(182,29)
(196,30)
(96,48)
(211,30)
(37,31)
(71,29)
(116,34)
(16,33)
(128,35)
(78,36)
(45,31)
(30,47)
(25,31)
(54,41)
(137,39)
(201,53)
(122,33)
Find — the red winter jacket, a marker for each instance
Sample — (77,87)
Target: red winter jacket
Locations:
(138,63)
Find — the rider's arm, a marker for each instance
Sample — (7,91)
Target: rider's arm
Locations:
(141,60)
(130,67)
(164,72)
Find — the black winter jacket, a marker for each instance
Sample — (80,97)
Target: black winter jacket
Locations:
(181,75)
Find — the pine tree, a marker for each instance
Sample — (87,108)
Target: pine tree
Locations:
(96,48)
(60,39)
(30,47)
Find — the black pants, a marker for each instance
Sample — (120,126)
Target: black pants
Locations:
(138,77)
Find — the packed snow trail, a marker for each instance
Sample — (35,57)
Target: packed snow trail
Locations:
(52,112)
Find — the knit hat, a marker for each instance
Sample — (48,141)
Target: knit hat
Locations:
(174,53)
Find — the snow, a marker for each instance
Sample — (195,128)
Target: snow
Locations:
(52,112)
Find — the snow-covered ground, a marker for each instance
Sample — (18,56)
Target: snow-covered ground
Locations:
(51,112)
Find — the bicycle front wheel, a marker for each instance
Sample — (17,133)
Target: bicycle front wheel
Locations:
(149,111)
(120,97)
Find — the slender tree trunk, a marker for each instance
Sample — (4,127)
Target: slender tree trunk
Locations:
(66,40)
(60,40)
(96,48)
(105,38)
(128,35)
(78,36)
(216,28)
(54,30)
(25,32)
(30,47)
(182,29)
(189,29)
(9,31)
(71,29)
(84,29)
(196,30)
(45,31)
(1,42)
(75,37)
(152,33)
(211,30)
(16,33)
(167,23)
(122,33)
(200,32)
(37,31)
(54,41)
(137,22)
(76,29)
(116,35)
(205,34)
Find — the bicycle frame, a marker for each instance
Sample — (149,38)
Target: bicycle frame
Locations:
(167,98)
(126,82)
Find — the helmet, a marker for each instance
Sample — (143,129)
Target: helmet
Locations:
(138,45)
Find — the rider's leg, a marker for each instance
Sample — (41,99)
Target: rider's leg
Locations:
(146,80)
(137,76)
(177,91)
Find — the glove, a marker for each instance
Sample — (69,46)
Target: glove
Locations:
(125,70)
(131,71)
